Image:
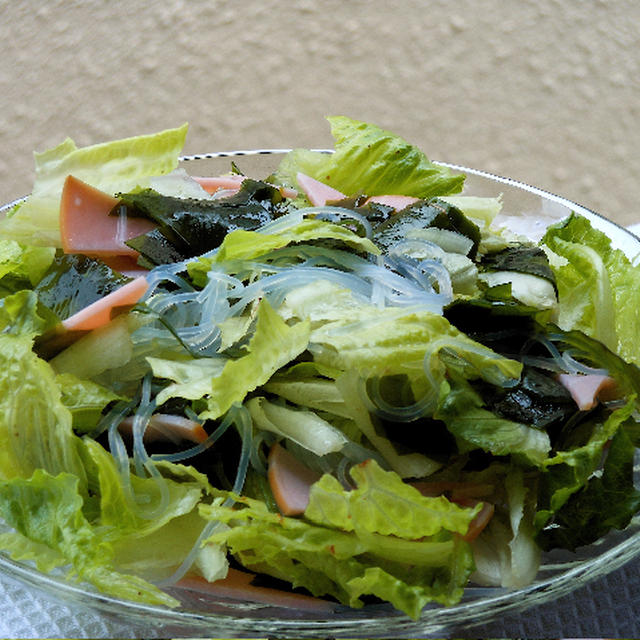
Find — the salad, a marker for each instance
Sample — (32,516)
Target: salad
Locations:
(341,383)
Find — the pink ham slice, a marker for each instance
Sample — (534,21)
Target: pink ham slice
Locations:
(238,586)
(103,310)
(231,184)
(86,226)
(169,428)
(317,192)
(587,389)
(482,519)
(466,494)
(126,265)
(397,202)
(290,481)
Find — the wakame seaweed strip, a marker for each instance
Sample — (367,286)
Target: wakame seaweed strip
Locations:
(74,281)
(194,226)
(422,215)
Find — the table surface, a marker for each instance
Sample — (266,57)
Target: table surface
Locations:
(605,608)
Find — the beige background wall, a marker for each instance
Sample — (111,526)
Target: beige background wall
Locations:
(547,91)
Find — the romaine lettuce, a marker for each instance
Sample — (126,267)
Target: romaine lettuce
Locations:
(569,470)
(35,427)
(48,511)
(345,555)
(120,165)
(382,503)
(462,410)
(248,245)
(273,345)
(506,552)
(369,160)
(608,500)
(599,287)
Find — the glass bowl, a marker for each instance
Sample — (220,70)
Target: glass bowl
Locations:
(526,209)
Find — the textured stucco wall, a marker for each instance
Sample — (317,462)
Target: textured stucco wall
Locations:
(547,91)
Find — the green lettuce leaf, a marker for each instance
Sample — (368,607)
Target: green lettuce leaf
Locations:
(372,161)
(599,288)
(272,346)
(607,501)
(115,166)
(191,377)
(463,411)
(156,555)
(48,510)
(65,496)
(323,301)
(346,565)
(85,400)
(382,503)
(126,505)
(568,471)
(114,530)
(302,426)
(313,392)
(241,247)
(23,549)
(151,522)
(482,210)
(20,314)
(249,245)
(393,340)
(22,266)
(35,426)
